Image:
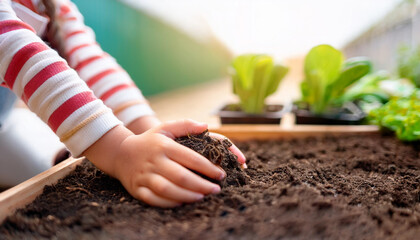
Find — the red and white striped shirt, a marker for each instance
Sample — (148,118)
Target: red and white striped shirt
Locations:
(52,89)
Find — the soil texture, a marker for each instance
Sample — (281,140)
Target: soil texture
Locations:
(347,187)
(217,151)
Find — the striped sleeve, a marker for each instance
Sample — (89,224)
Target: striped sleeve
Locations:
(50,88)
(101,72)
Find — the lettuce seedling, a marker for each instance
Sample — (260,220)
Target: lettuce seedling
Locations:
(400,115)
(254,78)
(327,76)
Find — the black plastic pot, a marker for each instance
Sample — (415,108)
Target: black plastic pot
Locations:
(232,114)
(350,114)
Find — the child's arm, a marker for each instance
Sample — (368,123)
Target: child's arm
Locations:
(100,71)
(103,74)
(36,74)
(151,166)
(88,59)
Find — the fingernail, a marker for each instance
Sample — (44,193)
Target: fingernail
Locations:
(197,123)
(199,197)
(244,166)
(222,175)
(201,124)
(216,189)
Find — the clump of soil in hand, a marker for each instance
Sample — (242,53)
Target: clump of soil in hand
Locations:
(335,187)
(217,151)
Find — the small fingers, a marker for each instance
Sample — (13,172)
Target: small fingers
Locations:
(184,178)
(193,160)
(149,197)
(166,189)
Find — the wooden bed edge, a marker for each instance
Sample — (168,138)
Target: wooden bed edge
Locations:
(247,132)
(22,194)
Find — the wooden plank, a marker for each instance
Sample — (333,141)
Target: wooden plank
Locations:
(248,132)
(24,193)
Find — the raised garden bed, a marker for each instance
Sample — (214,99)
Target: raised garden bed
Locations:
(306,185)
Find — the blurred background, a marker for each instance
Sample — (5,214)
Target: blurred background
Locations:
(177,51)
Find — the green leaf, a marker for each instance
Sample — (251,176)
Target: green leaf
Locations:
(316,94)
(356,61)
(263,67)
(244,70)
(322,67)
(279,72)
(350,74)
(254,77)
(367,85)
(400,115)
(325,62)
(304,89)
(327,77)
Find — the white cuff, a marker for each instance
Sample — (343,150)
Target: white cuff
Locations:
(91,133)
(133,112)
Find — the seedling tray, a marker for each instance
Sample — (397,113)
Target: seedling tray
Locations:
(351,115)
(231,114)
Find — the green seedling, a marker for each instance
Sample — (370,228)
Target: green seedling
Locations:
(254,78)
(327,76)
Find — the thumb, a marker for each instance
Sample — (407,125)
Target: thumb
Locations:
(181,128)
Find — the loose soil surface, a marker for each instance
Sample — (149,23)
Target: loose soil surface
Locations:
(349,187)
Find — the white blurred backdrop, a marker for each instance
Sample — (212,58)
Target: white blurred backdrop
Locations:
(278,27)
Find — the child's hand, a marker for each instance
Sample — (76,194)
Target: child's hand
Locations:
(145,123)
(155,169)
(142,124)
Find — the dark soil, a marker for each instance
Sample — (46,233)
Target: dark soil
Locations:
(217,151)
(349,187)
